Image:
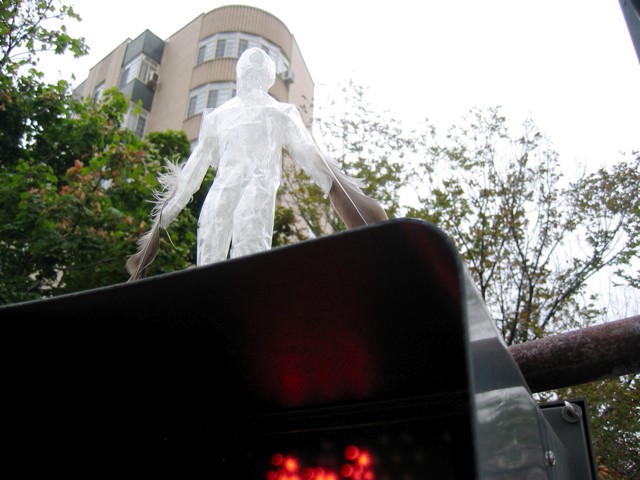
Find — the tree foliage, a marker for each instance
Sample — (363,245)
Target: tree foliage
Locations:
(30,27)
(74,184)
(530,238)
(68,230)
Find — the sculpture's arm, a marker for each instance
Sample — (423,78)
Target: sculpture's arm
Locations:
(179,184)
(353,206)
(303,149)
(190,177)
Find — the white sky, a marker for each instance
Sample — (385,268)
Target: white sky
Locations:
(568,64)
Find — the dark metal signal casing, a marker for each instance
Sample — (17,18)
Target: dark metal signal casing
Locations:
(374,339)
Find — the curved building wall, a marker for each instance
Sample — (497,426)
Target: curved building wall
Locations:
(238,18)
(218,70)
(301,91)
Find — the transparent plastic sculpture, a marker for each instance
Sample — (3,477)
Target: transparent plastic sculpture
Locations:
(243,140)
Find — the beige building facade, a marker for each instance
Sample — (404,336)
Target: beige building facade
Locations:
(174,80)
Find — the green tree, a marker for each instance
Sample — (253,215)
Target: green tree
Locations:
(74,185)
(531,239)
(30,27)
(71,231)
(42,122)
(31,117)
(33,114)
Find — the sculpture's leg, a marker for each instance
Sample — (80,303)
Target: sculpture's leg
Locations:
(215,223)
(253,221)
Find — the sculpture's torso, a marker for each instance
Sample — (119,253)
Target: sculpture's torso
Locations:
(250,139)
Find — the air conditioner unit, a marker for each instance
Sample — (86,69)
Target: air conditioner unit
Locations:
(153,81)
(287,76)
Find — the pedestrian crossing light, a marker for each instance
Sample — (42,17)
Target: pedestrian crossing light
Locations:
(366,355)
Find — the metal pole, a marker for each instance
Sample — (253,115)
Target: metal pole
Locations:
(594,353)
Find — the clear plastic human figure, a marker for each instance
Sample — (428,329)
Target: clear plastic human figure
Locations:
(243,140)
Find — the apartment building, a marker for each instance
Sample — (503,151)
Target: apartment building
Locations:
(170,82)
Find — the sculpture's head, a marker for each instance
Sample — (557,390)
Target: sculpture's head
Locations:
(255,71)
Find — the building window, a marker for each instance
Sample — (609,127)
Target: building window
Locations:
(136,119)
(146,71)
(201,53)
(140,124)
(211,95)
(97,92)
(212,99)
(220,46)
(193,103)
(141,67)
(243,44)
(124,78)
(233,44)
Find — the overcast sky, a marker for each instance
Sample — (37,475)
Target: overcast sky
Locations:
(569,65)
